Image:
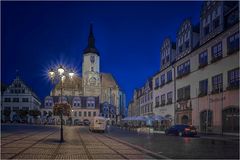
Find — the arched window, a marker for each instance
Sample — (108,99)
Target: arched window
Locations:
(92,81)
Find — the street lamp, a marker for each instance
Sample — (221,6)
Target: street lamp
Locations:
(56,76)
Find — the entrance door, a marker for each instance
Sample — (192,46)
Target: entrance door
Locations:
(231,120)
(205,120)
(184,119)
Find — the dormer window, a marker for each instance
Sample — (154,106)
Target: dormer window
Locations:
(62,100)
(76,102)
(91,102)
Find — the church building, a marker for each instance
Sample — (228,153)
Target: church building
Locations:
(97,93)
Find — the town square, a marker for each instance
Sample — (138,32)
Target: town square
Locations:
(120,80)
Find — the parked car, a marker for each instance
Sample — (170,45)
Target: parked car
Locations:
(80,123)
(86,122)
(98,124)
(181,130)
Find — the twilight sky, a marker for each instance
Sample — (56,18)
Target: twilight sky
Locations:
(128,35)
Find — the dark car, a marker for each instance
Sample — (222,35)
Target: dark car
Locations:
(80,123)
(86,122)
(181,130)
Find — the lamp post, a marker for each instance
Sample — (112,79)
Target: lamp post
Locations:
(56,76)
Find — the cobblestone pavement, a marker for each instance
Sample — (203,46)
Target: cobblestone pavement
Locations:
(39,142)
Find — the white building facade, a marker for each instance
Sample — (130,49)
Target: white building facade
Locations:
(19,97)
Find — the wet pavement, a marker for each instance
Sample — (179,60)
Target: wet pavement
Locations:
(176,147)
(42,142)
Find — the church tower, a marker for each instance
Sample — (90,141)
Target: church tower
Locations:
(91,68)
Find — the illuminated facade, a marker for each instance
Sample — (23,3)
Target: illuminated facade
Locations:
(93,84)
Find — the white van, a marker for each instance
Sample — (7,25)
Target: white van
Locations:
(98,124)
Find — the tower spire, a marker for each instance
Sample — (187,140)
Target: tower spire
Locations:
(91,42)
(91,39)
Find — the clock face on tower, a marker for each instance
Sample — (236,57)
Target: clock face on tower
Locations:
(92,59)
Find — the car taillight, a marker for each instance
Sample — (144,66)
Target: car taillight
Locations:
(187,129)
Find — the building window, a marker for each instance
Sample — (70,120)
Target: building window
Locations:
(85,114)
(187,44)
(183,69)
(184,93)
(162,79)
(167,58)
(91,102)
(17,85)
(23,91)
(15,108)
(24,99)
(80,114)
(217,52)
(216,22)
(232,18)
(217,83)
(92,81)
(7,108)
(169,76)
(156,82)
(233,43)
(203,87)
(203,59)
(25,108)
(162,99)
(7,99)
(89,114)
(206,30)
(233,79)
(75,114)
(15,99)
(157,101)
(180,49)
(94,114)
(169,97)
